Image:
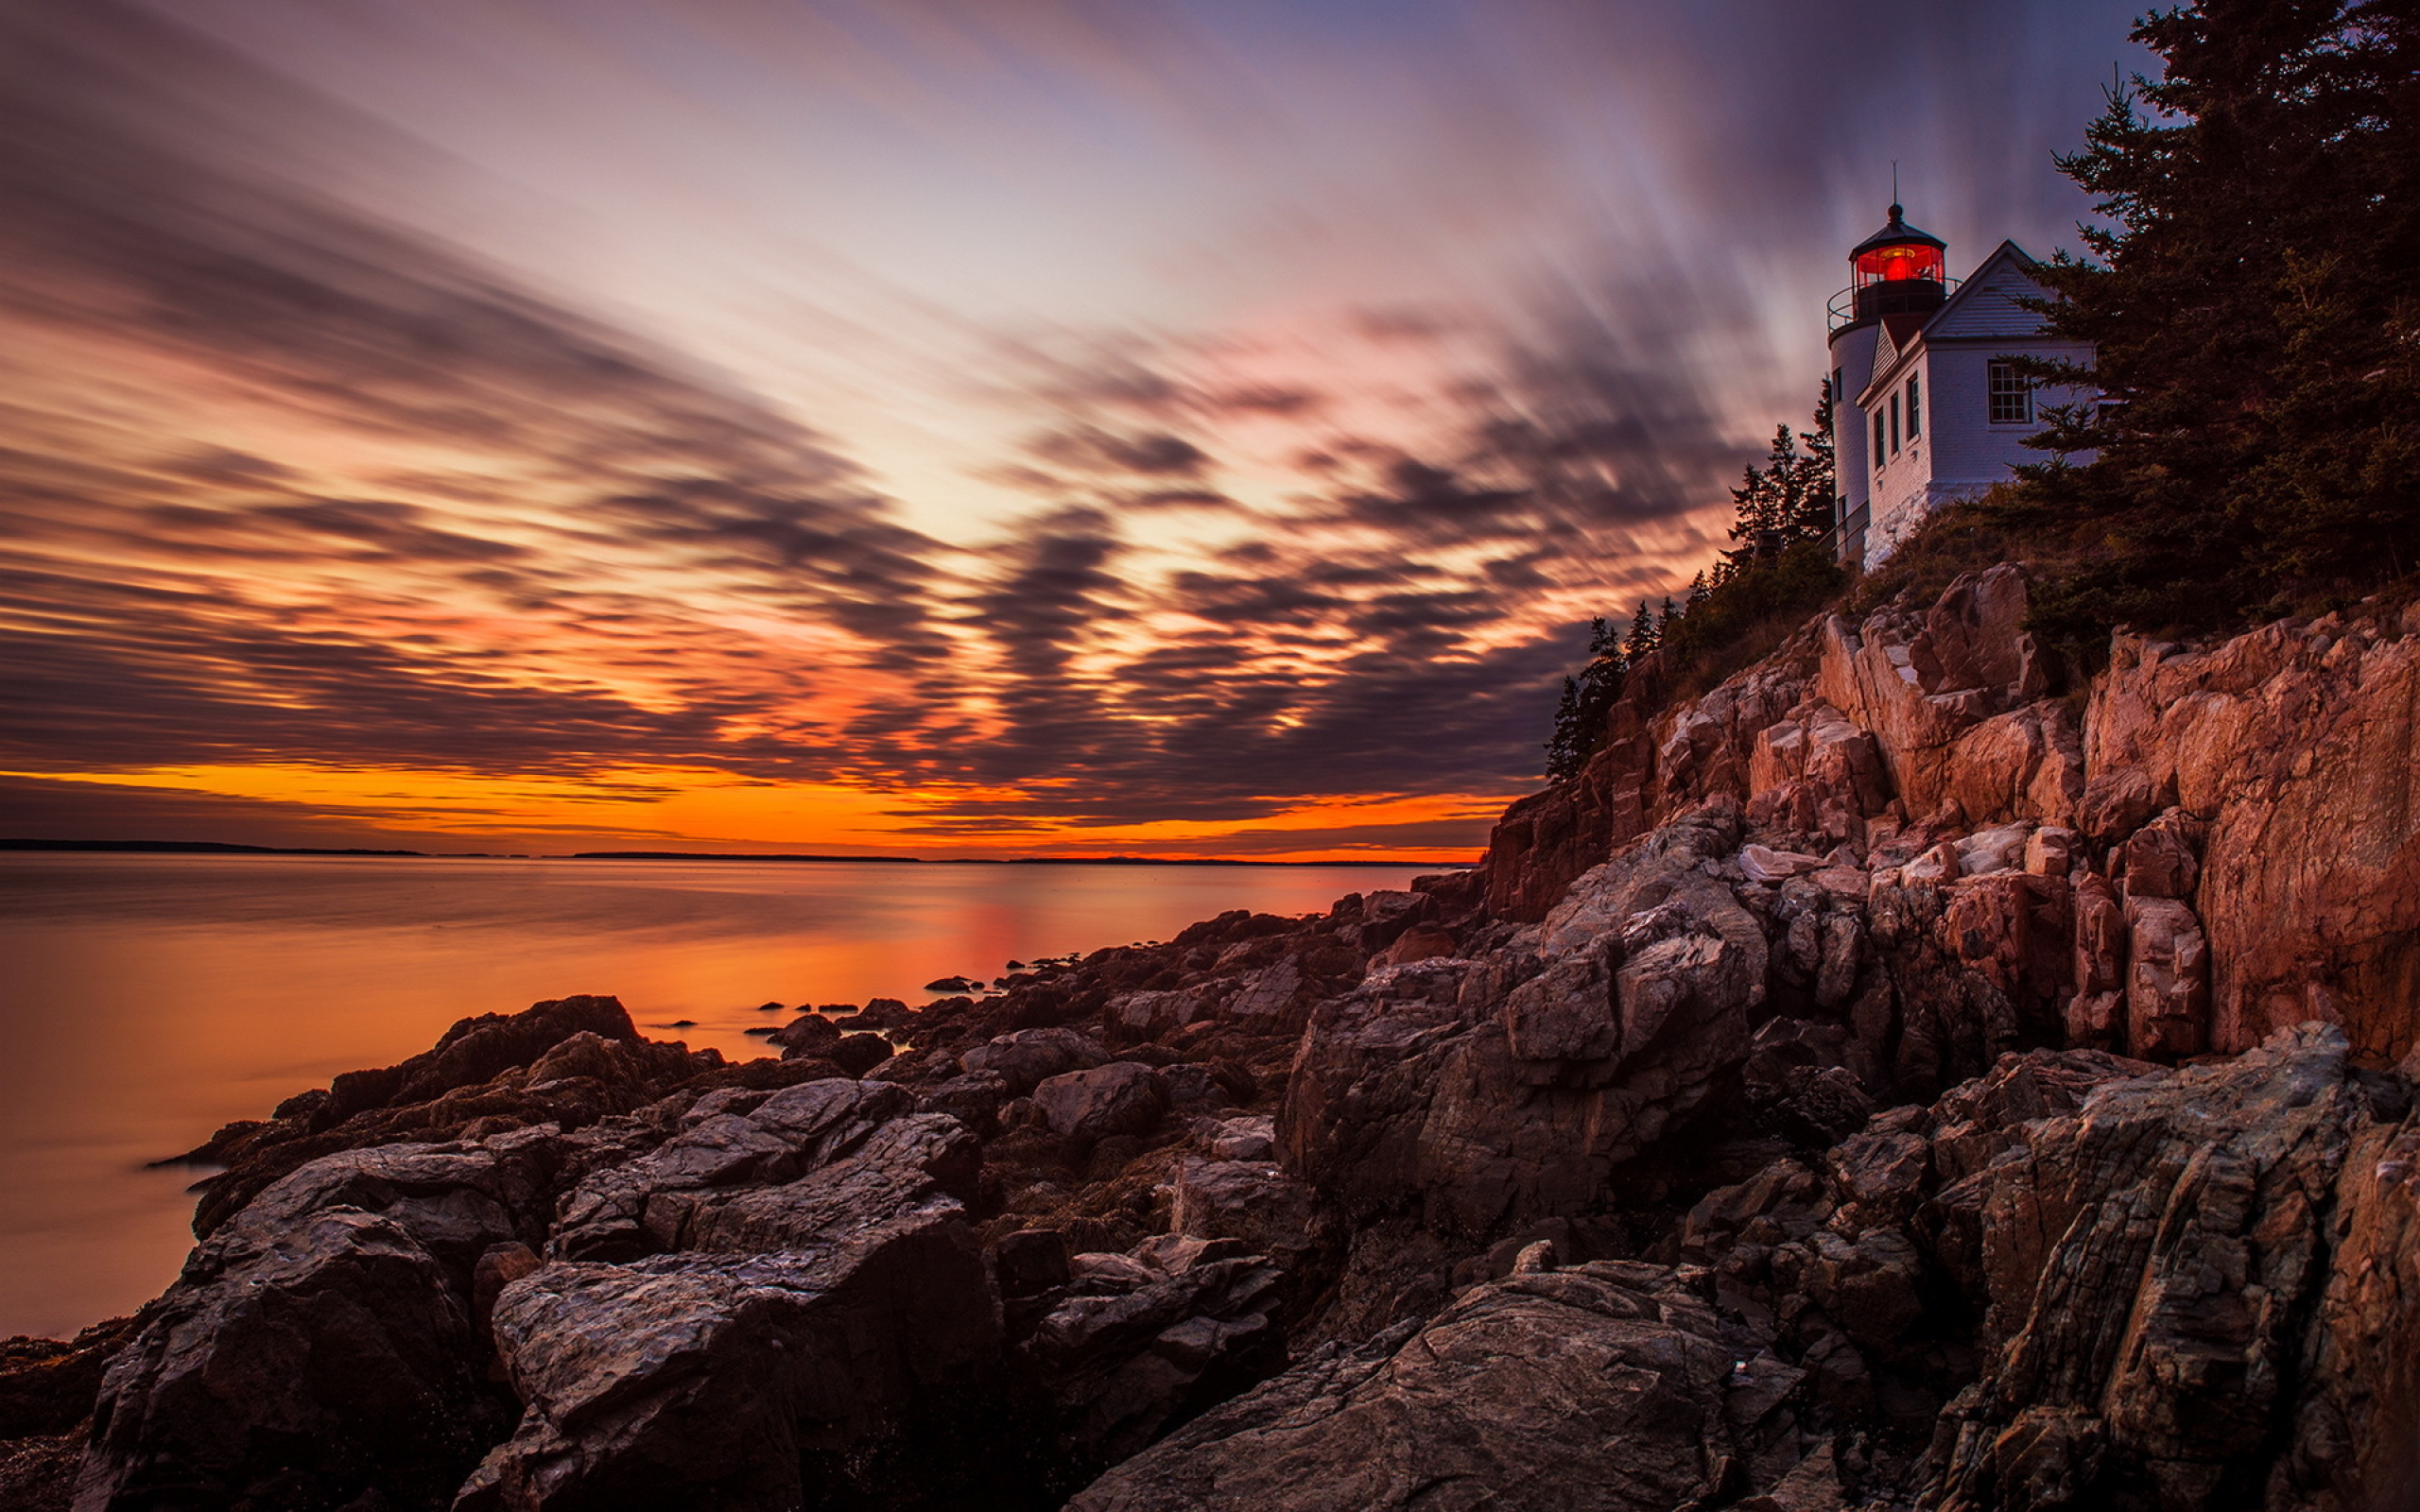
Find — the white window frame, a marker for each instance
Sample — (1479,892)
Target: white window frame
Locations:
(2008,398)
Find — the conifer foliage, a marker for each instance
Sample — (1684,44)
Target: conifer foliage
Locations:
(1781,570)
(1579,719)
(2254,302)
(1788,500)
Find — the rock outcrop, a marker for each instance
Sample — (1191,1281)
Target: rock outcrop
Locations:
(1893,1078)
(1606,1386)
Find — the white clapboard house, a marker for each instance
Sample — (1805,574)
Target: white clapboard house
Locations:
(1927,408)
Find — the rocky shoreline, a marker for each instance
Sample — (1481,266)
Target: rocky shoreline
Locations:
(1890,1080)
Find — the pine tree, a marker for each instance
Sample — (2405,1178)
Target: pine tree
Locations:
(2252,307)
(1587,699)
(1788,500)
(1563,747)
(1643,637)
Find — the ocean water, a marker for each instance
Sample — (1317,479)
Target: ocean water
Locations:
(146,1000)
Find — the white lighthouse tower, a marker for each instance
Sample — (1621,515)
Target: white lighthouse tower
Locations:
(1927,404)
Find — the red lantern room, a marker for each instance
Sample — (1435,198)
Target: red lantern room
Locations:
(1898,271)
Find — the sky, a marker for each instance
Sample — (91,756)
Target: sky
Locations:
(915,428)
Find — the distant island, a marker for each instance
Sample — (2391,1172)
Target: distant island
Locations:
(216,848)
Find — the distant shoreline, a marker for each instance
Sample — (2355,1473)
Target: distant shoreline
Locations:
(222,848)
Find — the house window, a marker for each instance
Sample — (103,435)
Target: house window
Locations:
(1878,440)
(1895,424)
(2011,395)
(1915,409)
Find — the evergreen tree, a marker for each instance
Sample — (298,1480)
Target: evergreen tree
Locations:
(1643,637)
(2254,318)
(1788,500)
(1587,699)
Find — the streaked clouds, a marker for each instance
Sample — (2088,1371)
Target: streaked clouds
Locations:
(936,426)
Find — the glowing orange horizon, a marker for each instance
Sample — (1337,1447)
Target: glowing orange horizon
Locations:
(664,808)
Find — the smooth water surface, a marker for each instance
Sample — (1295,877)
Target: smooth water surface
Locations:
(148,1000)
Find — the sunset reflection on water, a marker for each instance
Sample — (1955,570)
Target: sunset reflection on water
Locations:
(150,998)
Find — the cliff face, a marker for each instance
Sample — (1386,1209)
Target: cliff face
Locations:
(1890,1080)
(2265,783)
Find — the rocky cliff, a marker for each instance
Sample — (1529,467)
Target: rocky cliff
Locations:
(1893,1078)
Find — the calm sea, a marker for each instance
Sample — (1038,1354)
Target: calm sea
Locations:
(146,1000)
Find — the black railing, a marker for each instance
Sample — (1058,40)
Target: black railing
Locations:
(1845,540)
(1848,308)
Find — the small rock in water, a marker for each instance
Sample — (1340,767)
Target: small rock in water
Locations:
(953,984)
(683,1023)
(769,1007)
(1017,965)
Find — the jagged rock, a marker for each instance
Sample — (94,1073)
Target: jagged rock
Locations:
(1249,1200)
(858,1053)
(475,1050)
(695,1380)
(2294,753)
(833,1275)
(748,1182)
(1147,1342)
(1607,1386)
(318,1346)
(1421,942)
(603,1070)
(2159,861)
(974,1099)
(2051,851)
(1871,1285)
(1250,1138)
(2167,981)
(1271,1000)
(1152,1015)
(1486,1098)
(2158,1262)
(1123,1097)
(1025,1058)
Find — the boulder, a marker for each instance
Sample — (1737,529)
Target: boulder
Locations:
(1123,1097)
(1421,942)
(1249,1200)
(320,1348)
(826,1274)
(730,1178)
(1027,1057)
(1152,1015)
(703,1379)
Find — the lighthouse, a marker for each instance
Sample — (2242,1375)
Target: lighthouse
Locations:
(1928,401)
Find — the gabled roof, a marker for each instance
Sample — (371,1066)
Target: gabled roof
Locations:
(1897,333)
(1981,306)
(1978,309)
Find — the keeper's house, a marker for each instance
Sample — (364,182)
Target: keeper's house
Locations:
(1928,408)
